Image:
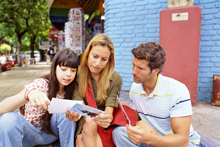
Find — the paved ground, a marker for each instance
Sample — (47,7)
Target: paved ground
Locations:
(13,81)
(205,120)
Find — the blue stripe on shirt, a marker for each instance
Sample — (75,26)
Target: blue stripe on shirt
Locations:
(181,102)
(155,116)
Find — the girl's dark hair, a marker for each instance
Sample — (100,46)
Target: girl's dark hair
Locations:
(68,58)
(64,57)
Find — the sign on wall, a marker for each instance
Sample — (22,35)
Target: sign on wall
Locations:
(45,45)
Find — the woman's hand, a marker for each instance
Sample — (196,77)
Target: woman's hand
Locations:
(104,120)
(72,116)
(38,99)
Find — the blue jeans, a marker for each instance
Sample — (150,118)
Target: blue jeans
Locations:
(120,138)
(17,131)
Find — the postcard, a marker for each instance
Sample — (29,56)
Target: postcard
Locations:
(120,104)
(86,110)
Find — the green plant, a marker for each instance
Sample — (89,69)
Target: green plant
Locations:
(4,48)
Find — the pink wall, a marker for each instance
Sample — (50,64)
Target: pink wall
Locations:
(181,41)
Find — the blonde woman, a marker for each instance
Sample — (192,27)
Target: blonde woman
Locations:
(97,72)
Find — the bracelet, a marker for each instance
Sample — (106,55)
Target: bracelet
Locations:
(26,94)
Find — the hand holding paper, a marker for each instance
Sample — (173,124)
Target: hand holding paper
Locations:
(61,105)
(72,116)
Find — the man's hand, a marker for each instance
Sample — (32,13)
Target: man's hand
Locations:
(38,99)
(72,116)
(103,120)
(136,134)
(141,133)
(144,125)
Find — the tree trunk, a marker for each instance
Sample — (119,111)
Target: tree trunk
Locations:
(42,52)
(19,51)
(42,55)
(32,40)
(19,35)
(32,46)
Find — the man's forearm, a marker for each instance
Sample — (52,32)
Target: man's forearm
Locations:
(174,140)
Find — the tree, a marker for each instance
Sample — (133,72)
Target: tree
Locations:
(16,16)
(4,48)
(22,16)
(42,36)
(41,18)
(7,34)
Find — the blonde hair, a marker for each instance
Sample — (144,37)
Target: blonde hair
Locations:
(85,75)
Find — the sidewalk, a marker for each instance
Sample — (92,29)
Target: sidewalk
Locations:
(13,81)
(205,119)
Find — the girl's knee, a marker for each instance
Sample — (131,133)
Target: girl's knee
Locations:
(79,138)
(89,127)
(9,121)
(10,118)
(79,141)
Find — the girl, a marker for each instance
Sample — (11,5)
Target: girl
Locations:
(97,74)
(35,126)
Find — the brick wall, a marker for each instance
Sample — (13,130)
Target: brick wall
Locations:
(209,62)
(131,22)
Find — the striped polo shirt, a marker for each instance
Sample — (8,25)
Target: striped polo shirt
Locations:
(170,98)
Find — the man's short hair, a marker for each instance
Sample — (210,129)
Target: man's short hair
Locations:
(153,53)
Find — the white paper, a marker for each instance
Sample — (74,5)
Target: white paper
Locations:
(61,105)
(120,104)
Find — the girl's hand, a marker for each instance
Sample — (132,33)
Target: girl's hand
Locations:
(103,120)
(38,99)
(72,116)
